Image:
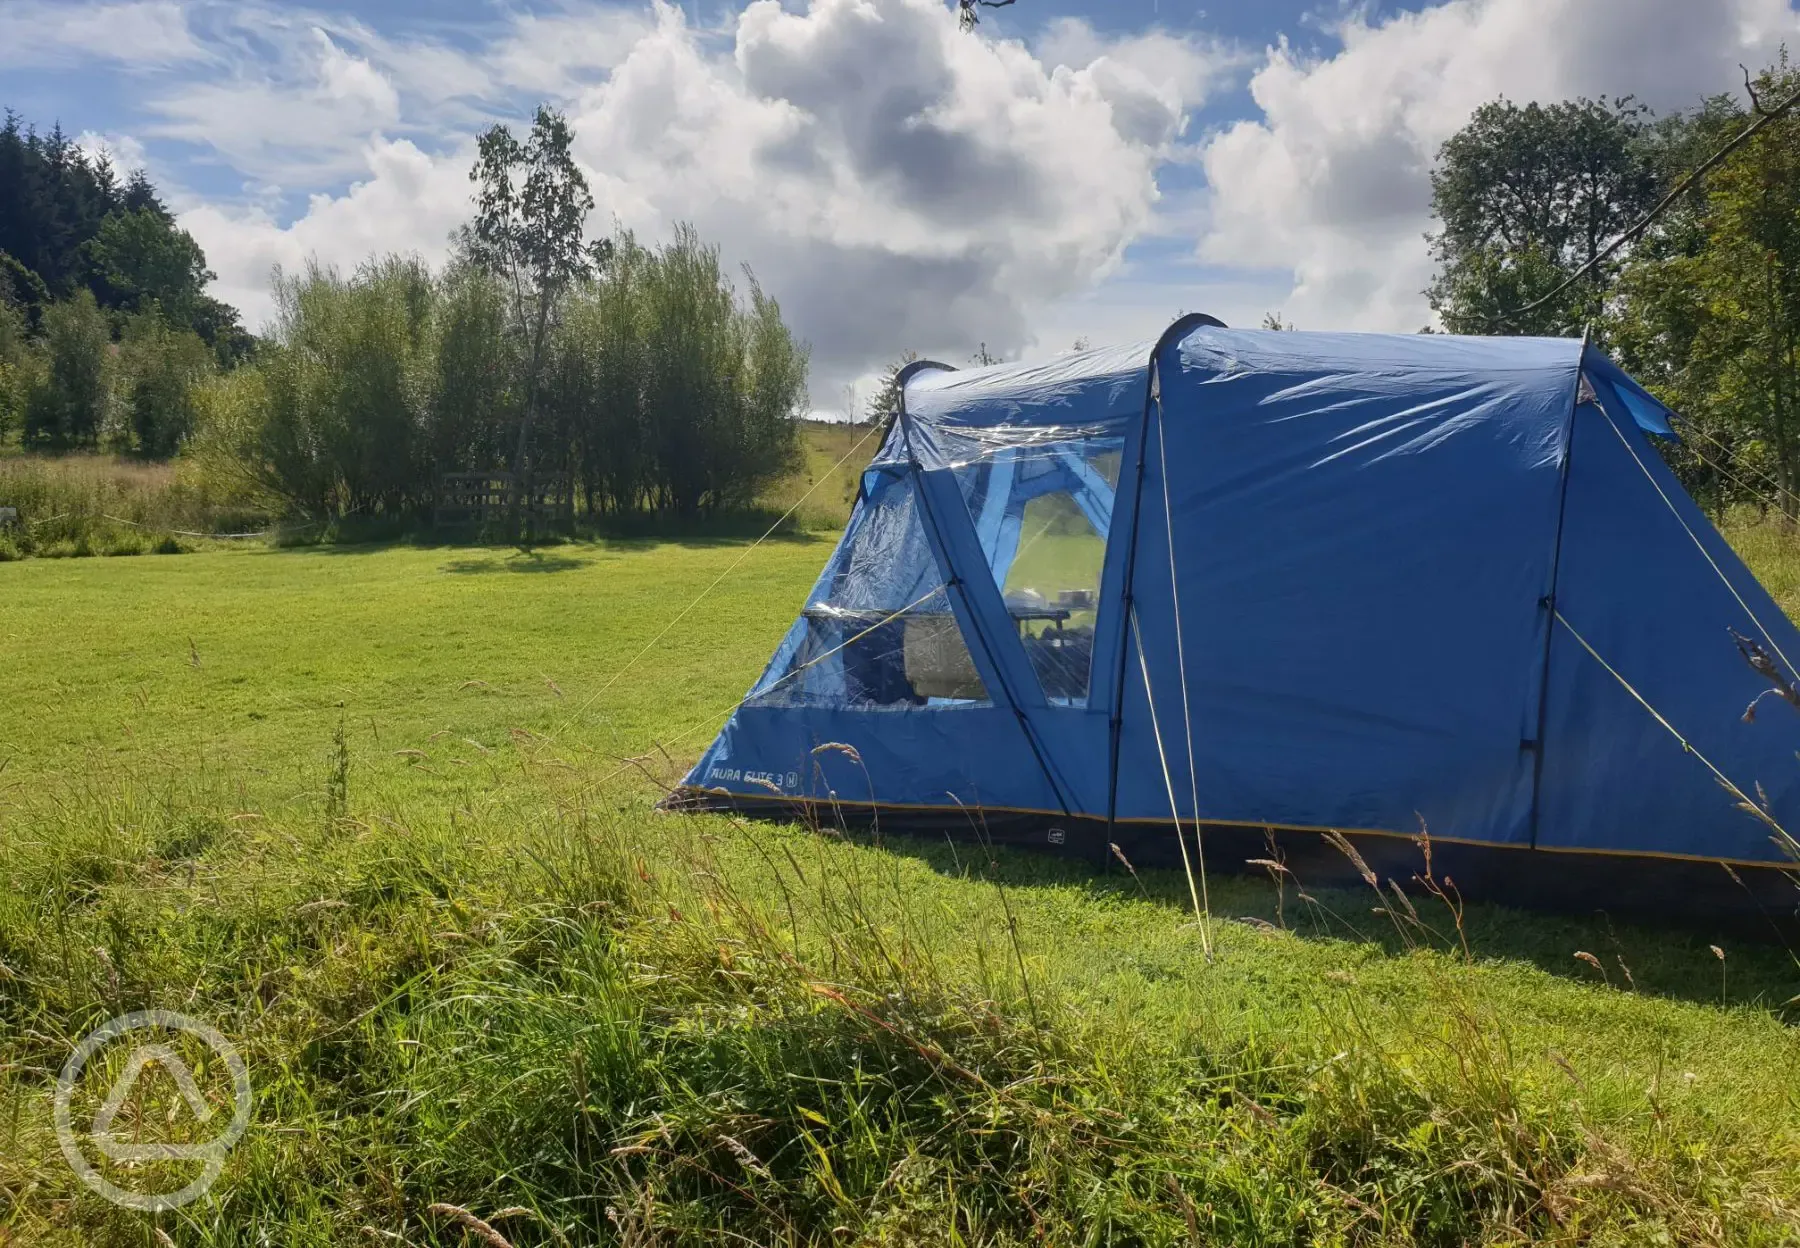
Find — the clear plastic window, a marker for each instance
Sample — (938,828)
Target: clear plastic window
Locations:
(1041,500)
(878,631)
(1051,592)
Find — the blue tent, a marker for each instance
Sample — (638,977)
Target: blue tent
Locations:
(1284,581)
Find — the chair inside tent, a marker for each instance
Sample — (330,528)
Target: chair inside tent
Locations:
(1235,589)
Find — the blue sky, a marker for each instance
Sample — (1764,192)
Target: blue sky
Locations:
(1073,169)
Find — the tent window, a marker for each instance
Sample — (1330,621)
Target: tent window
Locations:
(878,632)
(1051,590)
(1041,500)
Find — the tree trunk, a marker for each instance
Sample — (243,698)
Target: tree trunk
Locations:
(521,485)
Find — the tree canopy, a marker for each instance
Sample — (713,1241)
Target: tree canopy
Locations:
(68,223)
(1704,303)
(1527,195)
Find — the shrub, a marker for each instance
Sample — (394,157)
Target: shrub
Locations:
(122,544)
(160,369)
(663,389)
(16,371)
(112,502)
(348,388)
(66,405)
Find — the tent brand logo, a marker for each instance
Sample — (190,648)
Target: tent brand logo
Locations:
(763,779)
(127,1148)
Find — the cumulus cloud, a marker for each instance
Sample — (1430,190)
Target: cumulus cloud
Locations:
(409,203)
(122,151)
(1150,80)
(1331,182)
(897,184)
(894,182)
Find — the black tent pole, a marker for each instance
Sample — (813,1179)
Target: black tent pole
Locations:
(1548,602)
(1182,327)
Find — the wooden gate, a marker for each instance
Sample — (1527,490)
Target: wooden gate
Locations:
(478,498)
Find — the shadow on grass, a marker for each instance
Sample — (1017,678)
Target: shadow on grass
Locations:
(360,536)
(531,561)
(1670,960)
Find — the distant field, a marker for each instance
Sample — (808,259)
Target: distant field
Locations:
(827,473)
(375,813)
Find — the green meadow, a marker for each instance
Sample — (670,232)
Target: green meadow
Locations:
(384,816)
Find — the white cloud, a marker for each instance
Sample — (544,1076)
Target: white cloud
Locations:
(1150,80)
(125,153)
(554,55)
(290,97)
(409,203)
(894,182)
(897,184)
(43,34)
(1331,181)
(304,117)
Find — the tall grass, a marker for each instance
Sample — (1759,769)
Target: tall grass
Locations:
(110,505)
(93,504)
(578,1023)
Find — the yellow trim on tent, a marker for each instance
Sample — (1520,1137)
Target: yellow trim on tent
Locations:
(1246,823)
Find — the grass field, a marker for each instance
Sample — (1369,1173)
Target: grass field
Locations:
(373,812)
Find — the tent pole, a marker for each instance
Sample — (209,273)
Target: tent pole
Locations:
(1548,603)
(1152,390)
(955,584)
(1115,721)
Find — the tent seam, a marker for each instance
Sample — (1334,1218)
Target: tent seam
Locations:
(954,580)
(1548,604)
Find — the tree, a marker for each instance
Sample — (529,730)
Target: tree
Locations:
(52,200)
(531,209)
(161,366)
(66,224)
(1527,195)
(884,405)
(143,260)
(67,405)
(763,440)
(969,18)
(15,367)
(1710,309)
(348,389)
(475,405)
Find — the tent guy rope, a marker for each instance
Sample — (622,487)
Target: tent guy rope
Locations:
(1692,536)
(719,580)
(1187,719)
(1162,756)
(1786,840)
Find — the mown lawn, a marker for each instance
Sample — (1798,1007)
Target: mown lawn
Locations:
(383,815)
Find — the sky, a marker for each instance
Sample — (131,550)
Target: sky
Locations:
(1074,169)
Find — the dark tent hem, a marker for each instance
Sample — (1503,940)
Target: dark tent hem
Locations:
(1755,900)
